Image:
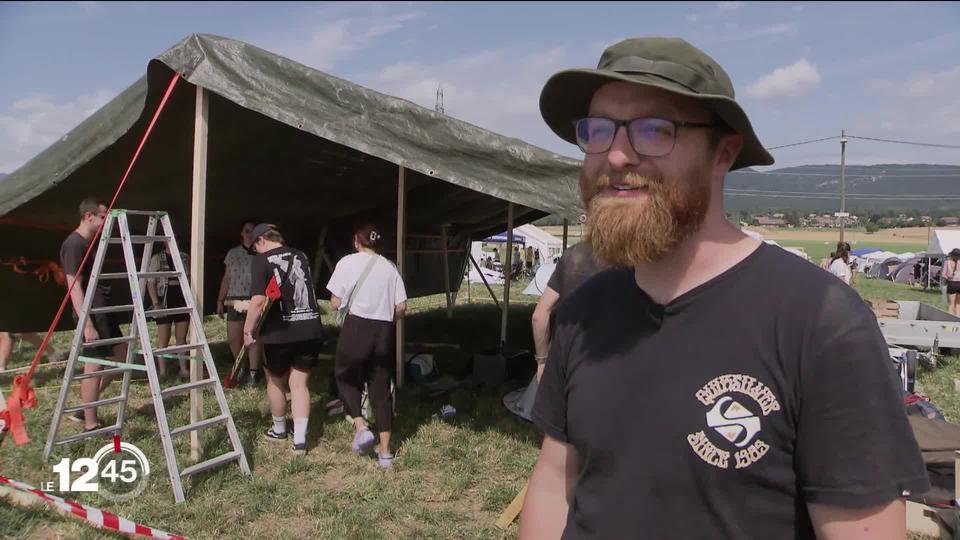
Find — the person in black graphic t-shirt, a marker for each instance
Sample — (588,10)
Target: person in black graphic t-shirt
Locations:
(706,385)
(291,333)
(99,325)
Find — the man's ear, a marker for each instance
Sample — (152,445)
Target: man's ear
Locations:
(728,149)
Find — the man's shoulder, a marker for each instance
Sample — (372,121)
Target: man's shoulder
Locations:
(600,291)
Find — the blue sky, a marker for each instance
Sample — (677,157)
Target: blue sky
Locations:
(801,70)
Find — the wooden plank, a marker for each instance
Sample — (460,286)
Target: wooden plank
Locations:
(512,511)
(565,227)
(198,214)
(401,245)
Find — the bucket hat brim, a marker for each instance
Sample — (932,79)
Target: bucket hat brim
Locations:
(566,98)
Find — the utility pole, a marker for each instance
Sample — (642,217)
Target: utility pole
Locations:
(438,106)
(842,214)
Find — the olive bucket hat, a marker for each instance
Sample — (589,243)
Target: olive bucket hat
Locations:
(670,64)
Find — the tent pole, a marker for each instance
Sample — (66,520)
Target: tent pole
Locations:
(197,233)
(318,259)
(508,264)
(484,278)
(446,270)
(565,225)
(401,248)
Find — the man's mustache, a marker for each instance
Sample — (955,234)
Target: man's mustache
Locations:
(628,180)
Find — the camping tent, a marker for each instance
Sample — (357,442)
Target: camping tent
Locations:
(288,144)
(941,241)
(882,269)
(864,251)
(547,244)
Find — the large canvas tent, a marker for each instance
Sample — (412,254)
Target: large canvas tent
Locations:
(286,144)
(941,241)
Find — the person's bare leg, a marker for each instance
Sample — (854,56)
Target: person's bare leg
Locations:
(254,355)
(119,356)
(36,340)
(163,340)
(277,394)
(299,404)
(90,392)
(180,330)
(384,443)
(235,336)
(6,349)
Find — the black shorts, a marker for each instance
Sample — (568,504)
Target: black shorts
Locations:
(953,287)
(280,357)
(234,315)
(174,300)
(107,326)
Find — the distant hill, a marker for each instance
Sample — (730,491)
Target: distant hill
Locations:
(817,187)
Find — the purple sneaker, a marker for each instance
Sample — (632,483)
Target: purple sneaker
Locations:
(362,441)
(384,461)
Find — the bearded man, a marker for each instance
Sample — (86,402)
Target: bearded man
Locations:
(707,385)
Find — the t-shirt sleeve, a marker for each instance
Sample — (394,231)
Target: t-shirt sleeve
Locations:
(259,276)
(400,294)
(338,283)
(550,406)
(554,281)
(70,257)
(854,447)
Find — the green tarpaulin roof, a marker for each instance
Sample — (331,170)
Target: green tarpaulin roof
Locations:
(287,144)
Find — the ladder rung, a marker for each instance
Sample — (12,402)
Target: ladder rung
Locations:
(210,463)
(174,390)
(112,309)
(157,274)
(106,372)
(141,239)
(157,213)
(165,312)
(199,425)
(179,348)
(109,341)
(113,275)
(92,404)
(86,434)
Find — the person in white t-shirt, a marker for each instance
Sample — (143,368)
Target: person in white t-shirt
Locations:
(840,263)
(367,342)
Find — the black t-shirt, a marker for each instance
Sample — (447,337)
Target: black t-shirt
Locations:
(71,254)
(721,414)
(575,266)
(295,316)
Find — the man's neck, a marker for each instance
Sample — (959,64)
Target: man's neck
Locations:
(714,249)
(84,232)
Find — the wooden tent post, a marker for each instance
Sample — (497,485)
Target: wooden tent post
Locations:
(508,274)
(565,226)
(401,249)
(446,270)
(197,232)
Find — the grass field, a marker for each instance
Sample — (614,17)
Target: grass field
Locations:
(452,478)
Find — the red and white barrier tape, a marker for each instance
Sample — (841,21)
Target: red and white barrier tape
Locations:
(95,516)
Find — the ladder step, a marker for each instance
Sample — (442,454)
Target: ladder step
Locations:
(87,434)
(222,419)
(174,390)
(170,311)
(109,341)
(157,213)
(141,239)
(106,372)
(211,463)
(158,274)
(111,309)
(113,275)
(93,404)
(179,348)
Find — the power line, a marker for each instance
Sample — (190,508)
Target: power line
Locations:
(835,197)
(855,175)
(802,142)
(834,167)
(931,145)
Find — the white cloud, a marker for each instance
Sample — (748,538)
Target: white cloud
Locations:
(776,29)
(798,8)
(495,89)
(333,41)
(729,6)
(693,17)
(794,80)
(924,107)
(33,123)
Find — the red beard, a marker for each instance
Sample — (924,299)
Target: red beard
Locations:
(629,232)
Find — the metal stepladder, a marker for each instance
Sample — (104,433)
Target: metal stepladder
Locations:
(139,335)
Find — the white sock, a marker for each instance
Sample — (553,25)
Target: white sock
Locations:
(279,425)
(299,430)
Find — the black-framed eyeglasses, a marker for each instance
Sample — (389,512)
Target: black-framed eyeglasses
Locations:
(649,136)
